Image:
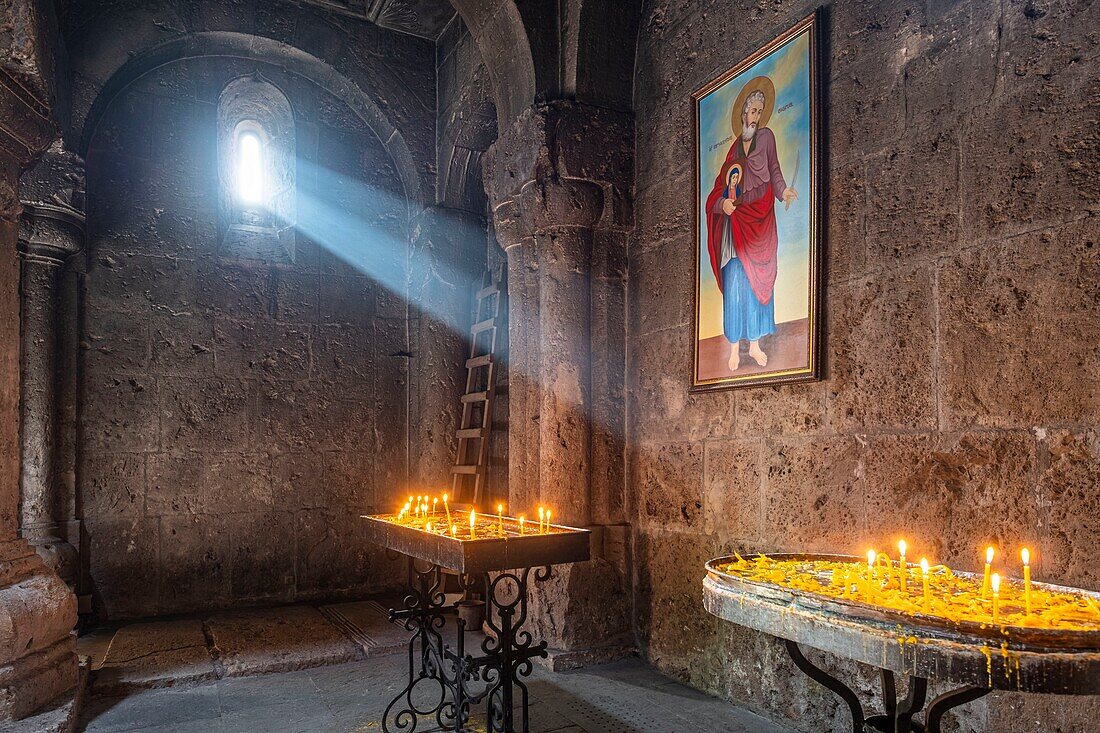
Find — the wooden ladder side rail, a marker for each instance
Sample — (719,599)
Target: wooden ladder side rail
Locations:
(474,397)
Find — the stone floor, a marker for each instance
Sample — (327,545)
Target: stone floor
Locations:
(335,668)
(620,697)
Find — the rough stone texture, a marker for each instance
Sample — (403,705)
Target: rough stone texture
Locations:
(254,642)
(961,393)
(38,663)
(226,402)
(153,654)
(558,184)
(350,698)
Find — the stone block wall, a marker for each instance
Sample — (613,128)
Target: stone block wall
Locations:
(961,401)
(237,415)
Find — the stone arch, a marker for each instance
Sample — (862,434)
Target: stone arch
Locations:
(606,44)
(501,37)
(291,59)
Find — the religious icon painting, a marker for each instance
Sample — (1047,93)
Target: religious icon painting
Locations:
(757,247)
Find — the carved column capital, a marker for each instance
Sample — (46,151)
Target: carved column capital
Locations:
(50,234)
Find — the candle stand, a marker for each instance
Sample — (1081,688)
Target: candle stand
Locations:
(445,683)
(978,657)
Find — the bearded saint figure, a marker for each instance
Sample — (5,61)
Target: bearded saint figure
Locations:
(741,232)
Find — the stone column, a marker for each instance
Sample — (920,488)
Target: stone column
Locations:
(49,235)
(37,610)
(558,182)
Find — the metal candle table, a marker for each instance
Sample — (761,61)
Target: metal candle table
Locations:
(978,657)
(445,682)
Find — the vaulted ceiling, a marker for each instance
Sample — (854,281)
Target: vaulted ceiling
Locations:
(423,18)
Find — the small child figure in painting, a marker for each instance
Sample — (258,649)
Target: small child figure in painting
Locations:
(733,183)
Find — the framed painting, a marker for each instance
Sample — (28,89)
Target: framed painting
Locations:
(757,198)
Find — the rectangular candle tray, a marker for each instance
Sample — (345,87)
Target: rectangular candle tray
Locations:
(482,554)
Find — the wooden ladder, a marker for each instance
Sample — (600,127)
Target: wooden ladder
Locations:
(472,458)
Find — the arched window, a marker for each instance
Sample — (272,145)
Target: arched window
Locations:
(256,150)
(251,170)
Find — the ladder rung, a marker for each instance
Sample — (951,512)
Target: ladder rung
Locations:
(479,361)
(475,397)
(485,325)
(472,433)
(468,470)
(486,292)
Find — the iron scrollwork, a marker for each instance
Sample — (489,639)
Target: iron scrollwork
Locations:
(440,690)
(898,718)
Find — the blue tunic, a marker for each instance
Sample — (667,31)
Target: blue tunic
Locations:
(743,315)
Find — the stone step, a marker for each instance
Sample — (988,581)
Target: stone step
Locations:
(207,647)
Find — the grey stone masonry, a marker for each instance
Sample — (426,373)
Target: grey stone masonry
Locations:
(557,182)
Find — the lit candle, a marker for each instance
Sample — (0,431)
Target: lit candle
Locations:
(548,521)
(1025,555)
(903,571)
(454,531)
(500,517)
(417,511)
(435,507)
(871,555)
(924,577)
(473,521)
(522,519)
(542,518)
(995,584)
(988,567)
(428,527)
(448,508)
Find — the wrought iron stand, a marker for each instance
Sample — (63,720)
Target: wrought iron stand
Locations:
(899,714)
(440,692)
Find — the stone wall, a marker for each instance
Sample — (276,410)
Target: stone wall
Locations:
(466,125)
(961,401)
(237,415)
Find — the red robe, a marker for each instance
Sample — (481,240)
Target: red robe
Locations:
(752,223)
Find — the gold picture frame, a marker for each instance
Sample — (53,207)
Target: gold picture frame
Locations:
(758,238)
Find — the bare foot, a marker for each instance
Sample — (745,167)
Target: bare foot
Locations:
(735,357)
(757,354)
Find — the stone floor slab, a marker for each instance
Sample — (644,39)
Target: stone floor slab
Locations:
(192,709)
(277,640)
(154,654)
(368,624)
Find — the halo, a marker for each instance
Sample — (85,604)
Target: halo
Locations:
(759,84)
(730,164)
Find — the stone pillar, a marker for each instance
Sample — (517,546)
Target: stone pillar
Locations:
(37,610)
(558,183)
(49,235)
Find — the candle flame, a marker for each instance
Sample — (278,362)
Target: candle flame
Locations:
(1025,555)
(444,498)
(989,555)
(454,530)
(924,566)
(901,547)
(428,528)
(542,513)
(473,518)
(871,555)
(995,581)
